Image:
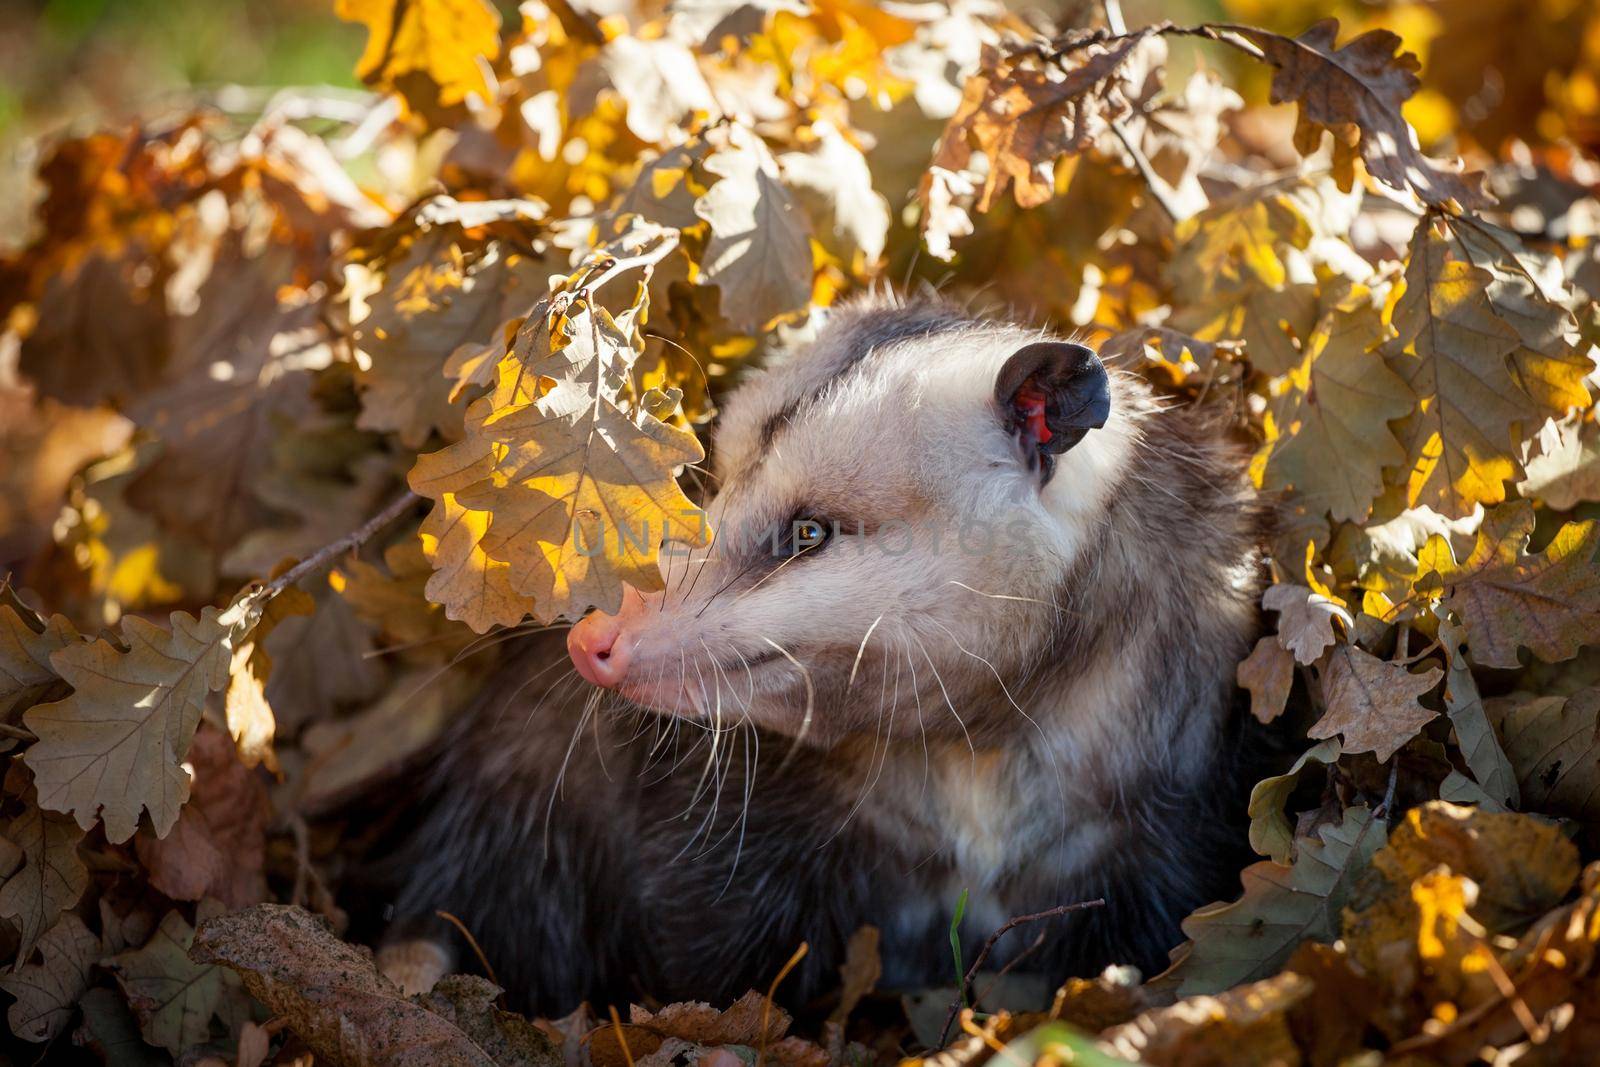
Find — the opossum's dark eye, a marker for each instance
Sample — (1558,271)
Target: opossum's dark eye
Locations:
(1051,394)
(802,534)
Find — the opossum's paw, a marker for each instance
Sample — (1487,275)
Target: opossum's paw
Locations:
(414,965)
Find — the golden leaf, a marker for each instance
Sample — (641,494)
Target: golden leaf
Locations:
(1508,599)
(1453,351)
(558,495)
(1327,425)
(434,53)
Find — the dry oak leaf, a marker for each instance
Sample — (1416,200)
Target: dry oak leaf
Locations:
(1244,1025)
(217,847)
(435,53)
(1023,118)
(1327,426)
(759,250)
(51,879)
(1305,619)
(1476,736)
(1356,93)
(1372,704)
(442,291)
(1252,937)
(174,996)
(47,991)
(1270,831)
(1523,866)
(1508,599)
(246,706)
(556,499)
(26,643)
(116,746)
(1566,471)
(1453,351)
(333,998)
(1554,745)
(1267,673)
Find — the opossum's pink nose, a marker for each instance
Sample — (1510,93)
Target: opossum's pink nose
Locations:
(601,645)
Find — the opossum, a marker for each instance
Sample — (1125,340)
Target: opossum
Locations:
(969,625)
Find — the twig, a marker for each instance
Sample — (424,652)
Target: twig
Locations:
(1114,20)
(1160,191)
(476,948)
(983,954)
(772,991)
(622,1038)
(355,539)
(1388,793)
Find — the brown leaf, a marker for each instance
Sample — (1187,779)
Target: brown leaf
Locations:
(1371,703)
(216,848)
(1244,1025)
(47,991)
(1553,744)
(1268,672)
(1305,619)
(1509,599)
(1356,93)
(52,877)
(332,996)
(1023,117)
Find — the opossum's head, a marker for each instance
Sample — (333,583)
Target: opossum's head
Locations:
(897,505)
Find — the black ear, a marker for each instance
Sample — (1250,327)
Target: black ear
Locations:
(1051,394)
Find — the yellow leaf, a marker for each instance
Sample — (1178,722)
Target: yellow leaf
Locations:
(435,53)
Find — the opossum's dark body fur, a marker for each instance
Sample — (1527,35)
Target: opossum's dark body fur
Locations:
(609,864)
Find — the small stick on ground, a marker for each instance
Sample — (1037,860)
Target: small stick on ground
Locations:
(476,948)
(772,991)
(983,954)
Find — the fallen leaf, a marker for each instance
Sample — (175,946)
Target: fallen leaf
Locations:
(332,996)
(1554,745)
(759,251)
(1327,425)
(1268,673)
(1270,832)
(1252,937)
(47,991)
(1372,703)
(1464,704)
(1510,599)
(216,848)
(1244,1025)
(173,996)
(51,879)
(1305,619)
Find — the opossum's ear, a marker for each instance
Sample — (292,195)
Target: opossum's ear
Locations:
(1051,394)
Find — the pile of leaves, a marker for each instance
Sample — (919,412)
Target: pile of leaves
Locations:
(290,408)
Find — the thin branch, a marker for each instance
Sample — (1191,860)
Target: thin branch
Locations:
(1114,19)
(988,946)
(325,555)
(1160,191)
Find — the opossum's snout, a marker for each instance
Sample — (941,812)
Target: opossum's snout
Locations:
(1052,393)
(601,645)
